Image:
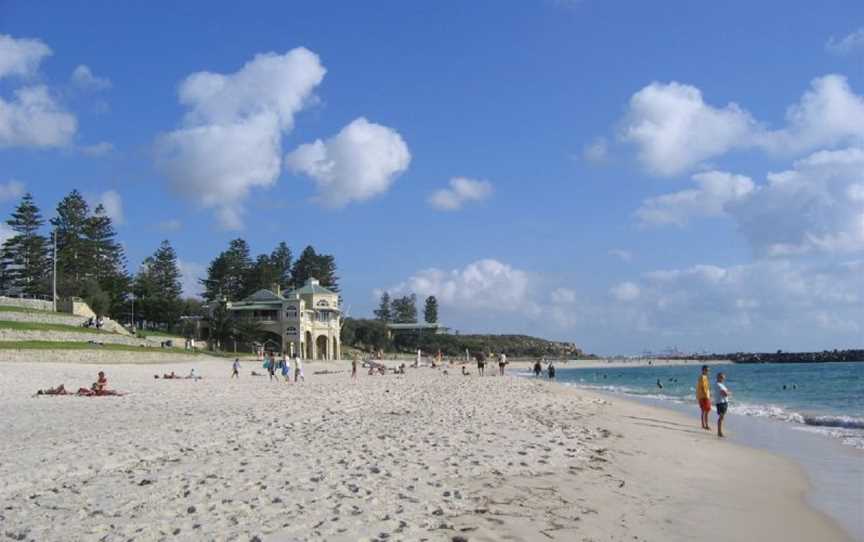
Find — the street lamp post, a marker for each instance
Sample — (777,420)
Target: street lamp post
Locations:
(54,272)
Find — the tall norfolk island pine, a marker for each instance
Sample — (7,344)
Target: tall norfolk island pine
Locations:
(88,252)
(25,258)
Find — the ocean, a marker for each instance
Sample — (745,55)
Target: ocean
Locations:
(811,413)
(824,398)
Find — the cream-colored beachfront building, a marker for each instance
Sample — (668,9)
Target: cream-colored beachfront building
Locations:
(305,321)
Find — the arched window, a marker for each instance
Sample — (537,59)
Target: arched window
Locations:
(322,303)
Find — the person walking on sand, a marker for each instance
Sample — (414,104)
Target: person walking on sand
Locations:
(538,368)
(502,362)
(721,396)
(235,368)
(354,367)
(298,369)
(703,396)
(286,367)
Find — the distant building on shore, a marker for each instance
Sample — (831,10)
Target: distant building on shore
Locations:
(306,321)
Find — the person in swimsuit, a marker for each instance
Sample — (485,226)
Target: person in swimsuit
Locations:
(502,362)
(101,383)
(481,363)
(721,396)
(703,397)
(538,368)
(354,367)
(59,390)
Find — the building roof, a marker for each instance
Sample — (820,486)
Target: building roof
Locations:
(252,307)
(264,295)
(312,286)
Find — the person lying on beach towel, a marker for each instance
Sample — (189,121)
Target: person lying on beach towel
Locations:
(168,376)
(59,390)
(98,388)
(85,392)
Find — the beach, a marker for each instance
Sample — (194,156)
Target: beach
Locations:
(424,456)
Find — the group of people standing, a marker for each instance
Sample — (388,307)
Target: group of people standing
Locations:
(538,369)
(288,367)
(720,394)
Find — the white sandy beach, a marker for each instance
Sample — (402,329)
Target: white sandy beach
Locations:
(417,457)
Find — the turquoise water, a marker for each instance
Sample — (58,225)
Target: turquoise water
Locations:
(825,398)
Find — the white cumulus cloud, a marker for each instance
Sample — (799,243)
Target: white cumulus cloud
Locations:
(360,162)
(626,291)
(462,190)
(191,274)
(230,140)
(11,190)
(814,206)
(21,57)
(847,44)
(83,78)
(767,304)
(716,190)
(112,202)
(675,130)
(485,284)
(33,118)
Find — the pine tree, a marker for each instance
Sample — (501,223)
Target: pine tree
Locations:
(430,310)
(216,282)
(25,257)
(230,274)
(158,288)
(310,264)
(262,275)
(105,259)
(383,312)
(280,258)
(72,246)
(405,309)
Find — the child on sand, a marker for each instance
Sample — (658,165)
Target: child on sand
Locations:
(721,396)
(703,396)
(235,368)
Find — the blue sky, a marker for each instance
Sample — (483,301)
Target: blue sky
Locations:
(624,175)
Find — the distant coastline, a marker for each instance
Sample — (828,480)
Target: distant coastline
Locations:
(826,356)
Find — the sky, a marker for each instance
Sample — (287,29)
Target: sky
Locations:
(628,176)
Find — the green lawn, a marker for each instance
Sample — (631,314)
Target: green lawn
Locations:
(7,308)
(156,333)
(62,345)
(39,326)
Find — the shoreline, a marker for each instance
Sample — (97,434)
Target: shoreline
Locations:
(424,455)
(825,462)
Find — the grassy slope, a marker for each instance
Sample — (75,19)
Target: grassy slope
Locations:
(40,326)
(62,345)
(7,308)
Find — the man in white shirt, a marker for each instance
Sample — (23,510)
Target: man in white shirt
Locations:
(721,395)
